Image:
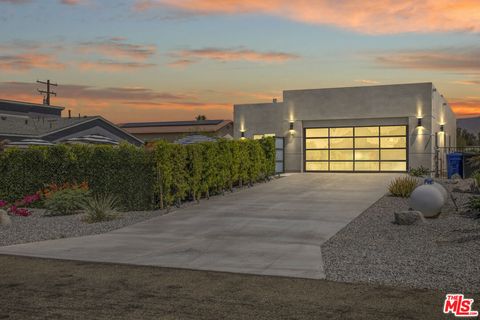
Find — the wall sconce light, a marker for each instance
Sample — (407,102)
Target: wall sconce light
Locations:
(442,128)
(419,122)
(291,127)
(242,134)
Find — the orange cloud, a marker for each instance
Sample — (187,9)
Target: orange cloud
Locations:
(462,59)
(113,66)
(467,82)
(118,48)
(465,107)
(372,17)
(28,61)
(186,57)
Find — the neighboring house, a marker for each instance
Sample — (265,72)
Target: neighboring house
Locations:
(26,121)
(174,130)
(385,128)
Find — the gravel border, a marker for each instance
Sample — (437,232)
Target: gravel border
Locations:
(442,253)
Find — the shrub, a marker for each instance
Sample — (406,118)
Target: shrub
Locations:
(403,186)
(140,178)
(65,202)
(474,203)
(476,181)
(419,172)
(99,208)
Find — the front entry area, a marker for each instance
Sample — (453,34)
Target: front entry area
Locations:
(356,149)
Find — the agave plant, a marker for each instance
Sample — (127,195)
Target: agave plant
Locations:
(475,161)
(100,208)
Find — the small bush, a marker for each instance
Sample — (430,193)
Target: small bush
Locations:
(403,186)
(65,202)
(474,203)
(419,172)
(476,182)
(100,208)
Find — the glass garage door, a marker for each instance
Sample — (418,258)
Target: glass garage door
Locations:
(356,149)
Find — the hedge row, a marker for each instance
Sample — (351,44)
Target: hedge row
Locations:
(160,176)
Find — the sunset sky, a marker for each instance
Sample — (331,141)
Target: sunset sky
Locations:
(159,60)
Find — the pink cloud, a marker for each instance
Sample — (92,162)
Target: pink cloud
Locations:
(117,47)
(27,61)
(113,66)
(372,17)
(186,57)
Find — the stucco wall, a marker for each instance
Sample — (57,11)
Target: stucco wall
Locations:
(383,105)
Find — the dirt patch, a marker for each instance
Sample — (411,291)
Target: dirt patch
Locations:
(35,288)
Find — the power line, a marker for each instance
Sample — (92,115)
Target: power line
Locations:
(48,92)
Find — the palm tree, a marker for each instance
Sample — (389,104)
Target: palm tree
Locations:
(201,117)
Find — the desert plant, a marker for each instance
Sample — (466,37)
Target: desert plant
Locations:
(65,202)
(474,161)
(474,205)
(419,172)
(99,208)
(475,187)
(403,186)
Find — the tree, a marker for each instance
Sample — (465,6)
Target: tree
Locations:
(201,117)
(465,138)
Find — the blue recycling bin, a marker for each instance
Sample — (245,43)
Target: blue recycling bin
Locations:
(454,164)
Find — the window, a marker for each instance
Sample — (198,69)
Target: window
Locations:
(366,148)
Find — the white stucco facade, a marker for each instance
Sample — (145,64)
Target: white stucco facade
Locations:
(385,105)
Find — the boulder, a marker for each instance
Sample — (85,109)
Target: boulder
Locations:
(4,218)
(408,217)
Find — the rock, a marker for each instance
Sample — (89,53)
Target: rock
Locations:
(4,218)
(408,217)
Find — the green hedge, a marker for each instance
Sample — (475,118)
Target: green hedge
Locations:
(161,176)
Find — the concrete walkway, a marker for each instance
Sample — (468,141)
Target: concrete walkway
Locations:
(275,228)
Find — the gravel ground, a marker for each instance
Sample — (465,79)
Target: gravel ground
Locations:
(38,227)
(440,253)
(54,289)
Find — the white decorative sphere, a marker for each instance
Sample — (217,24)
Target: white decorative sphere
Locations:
(427,199)
(442,191)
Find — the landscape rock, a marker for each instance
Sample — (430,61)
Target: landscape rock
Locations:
(408,217)
(4,218)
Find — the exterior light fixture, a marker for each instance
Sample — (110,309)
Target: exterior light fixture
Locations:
(419,122)
(291,127)
(242,134)
(442,128)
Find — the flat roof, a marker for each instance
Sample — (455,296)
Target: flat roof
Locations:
(171,123)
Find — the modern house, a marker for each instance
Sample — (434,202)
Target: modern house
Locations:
(30,122)
(385,128)
(174,130)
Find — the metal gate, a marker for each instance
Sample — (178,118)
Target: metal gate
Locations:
(279,154)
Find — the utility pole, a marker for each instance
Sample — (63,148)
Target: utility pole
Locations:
(48,92)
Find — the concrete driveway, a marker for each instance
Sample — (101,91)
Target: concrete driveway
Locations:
(275,228)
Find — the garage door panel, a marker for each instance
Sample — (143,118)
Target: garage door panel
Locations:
(393,154)
(366,154)
(367,166)
(341,132)
(341,143)
(341,166)
(317,143)
(393,166)
(367,143)
(393,142)
(341,154)
(316,166)
(316,155)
